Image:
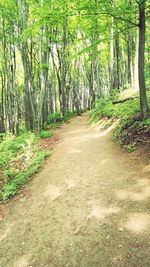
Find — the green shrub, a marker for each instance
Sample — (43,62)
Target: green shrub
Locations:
(12,146)
(130,147)
(126,112)
(103,108)
(57,117)
(114,93)
(69,114)
(19,149)
(53,118)
(9,173)
(10,188)
(130,126)
(45,134)
(38,158)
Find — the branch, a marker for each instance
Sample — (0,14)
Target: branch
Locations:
(124,100)
(105,13)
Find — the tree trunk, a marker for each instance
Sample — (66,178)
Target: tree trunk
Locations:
(117,61)
(2,124)
(30,116)
(112,52)
(129,50)
(142,29)
(63,65)
(44,62)
(136,62)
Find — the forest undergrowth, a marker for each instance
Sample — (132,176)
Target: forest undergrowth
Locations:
(131,132)
(21,156)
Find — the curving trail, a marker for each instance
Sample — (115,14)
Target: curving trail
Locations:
(87,207)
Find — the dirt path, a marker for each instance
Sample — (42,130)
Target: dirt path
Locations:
(88,207)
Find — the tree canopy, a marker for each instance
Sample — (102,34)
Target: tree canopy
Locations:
(60,56)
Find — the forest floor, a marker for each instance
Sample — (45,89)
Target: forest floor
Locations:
(87,207)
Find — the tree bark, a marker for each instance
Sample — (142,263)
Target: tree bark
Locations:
(117,61)
(43,76)
(136,61)
(142,29)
